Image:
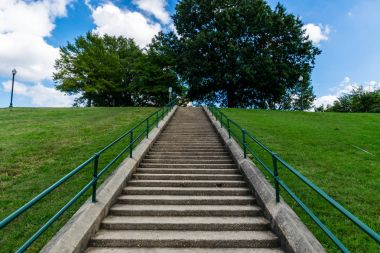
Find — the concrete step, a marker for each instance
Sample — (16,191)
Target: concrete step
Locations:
(188,165)
(200,146)
(189,153)
(186,177)
(173,238)
(186,210)
(185,200)
(185,149)
(181,250)
(187,183)
(185,223)
(194,191)
(179,157)
(186,138)
(187,161)
(187,171)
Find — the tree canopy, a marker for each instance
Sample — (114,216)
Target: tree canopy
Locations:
(235,53)
(241,53)
(359,100)
(114,71)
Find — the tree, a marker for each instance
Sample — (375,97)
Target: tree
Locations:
(154,74)
(99,68)
(358,100)
(240,53)
(114,71)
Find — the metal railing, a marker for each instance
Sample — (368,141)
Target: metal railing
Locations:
(227,123)
(147,123)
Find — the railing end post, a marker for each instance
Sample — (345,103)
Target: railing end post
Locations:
(95,177)
(276,179)
(131,144)
(244,143)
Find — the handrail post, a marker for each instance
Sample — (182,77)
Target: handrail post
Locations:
(95,175)
(275,173)
(229,129)
(157,119)
(130,144)
(147,128)
(244,144)
(221,120)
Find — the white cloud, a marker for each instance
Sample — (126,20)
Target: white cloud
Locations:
(345,87)
(325,100)
(40,94)
(317,33)
(155,7)
(24,25)
(112,20)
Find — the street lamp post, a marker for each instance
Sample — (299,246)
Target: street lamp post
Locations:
(13,83)
(300,79)
(170,93)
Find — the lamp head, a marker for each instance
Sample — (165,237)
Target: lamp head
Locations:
(14,71)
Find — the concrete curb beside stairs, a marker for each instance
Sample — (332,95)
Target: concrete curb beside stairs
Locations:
(295,236)
(75,235)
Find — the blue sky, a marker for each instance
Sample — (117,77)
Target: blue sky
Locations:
(31,33)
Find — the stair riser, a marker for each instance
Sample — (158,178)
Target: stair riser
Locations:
(179,157)
(186,177)
(187,184)
(201,213)
(191,153)
(189,146)
(188,171)
(186,227)
(186,161)
(186,201)
(187,193)
(180,148)
(182,243)
(190,166)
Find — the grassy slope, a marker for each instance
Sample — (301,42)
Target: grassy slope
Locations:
(38,146)
(324,147)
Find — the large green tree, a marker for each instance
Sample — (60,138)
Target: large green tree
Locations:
(240,53)
(114,71)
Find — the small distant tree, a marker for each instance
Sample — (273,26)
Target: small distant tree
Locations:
(359,100)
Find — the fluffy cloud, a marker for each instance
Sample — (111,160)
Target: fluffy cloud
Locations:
(40,94)
(155,7)
(24,25)
(345,87)
(112,20)
(317,33)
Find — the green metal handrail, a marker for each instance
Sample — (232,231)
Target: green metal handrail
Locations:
(157,116)
(219,116)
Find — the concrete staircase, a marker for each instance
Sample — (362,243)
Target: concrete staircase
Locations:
(186,196)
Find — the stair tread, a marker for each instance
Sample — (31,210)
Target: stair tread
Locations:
(181,250)
(188,188)
(184,220)
(181,197)
(183,235)
(185,207)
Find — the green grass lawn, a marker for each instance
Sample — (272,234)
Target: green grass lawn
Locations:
(339,152)
(39,146)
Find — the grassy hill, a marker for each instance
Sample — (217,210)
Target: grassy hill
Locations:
(339,152)
(39,146)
